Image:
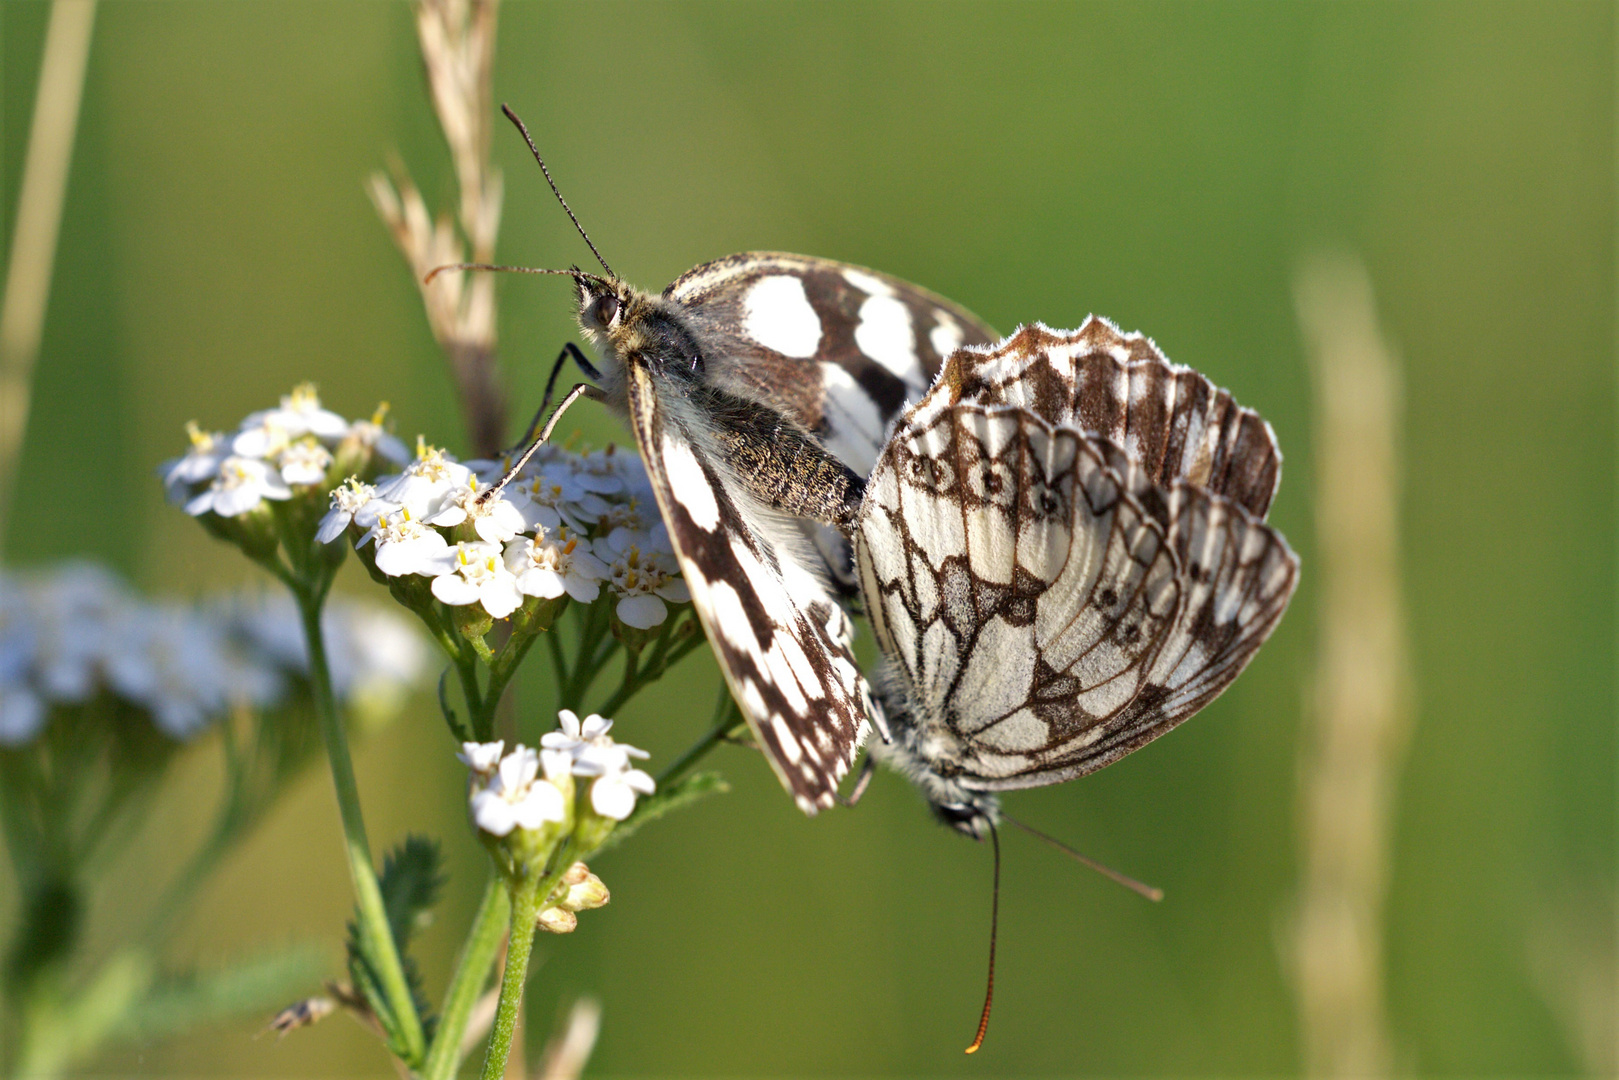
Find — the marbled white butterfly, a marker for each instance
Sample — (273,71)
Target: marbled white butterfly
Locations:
(759,388)
(1063,553)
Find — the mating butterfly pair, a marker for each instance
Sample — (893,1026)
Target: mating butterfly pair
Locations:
(1062,547)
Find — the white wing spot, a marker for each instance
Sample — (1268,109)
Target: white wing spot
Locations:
(885,334)
(945,338)
(688,482)
(789,742)
(779,316)
(867,283)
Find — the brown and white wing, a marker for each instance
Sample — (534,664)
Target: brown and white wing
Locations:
(1048,620)
(780,639)
(1236,576)
(840,349)
(1024,593)
(1170,420)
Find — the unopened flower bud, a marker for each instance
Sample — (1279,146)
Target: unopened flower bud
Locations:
(555,920)
(581,890)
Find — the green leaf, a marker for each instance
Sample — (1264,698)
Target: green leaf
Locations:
(676,796)
(412,876)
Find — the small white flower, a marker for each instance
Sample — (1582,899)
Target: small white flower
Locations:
(574,735)
(601,471)
(514,797)
(548,566)
(406,546)
(426,484)
(347,500)
(241,484)
(22,714)
(478,576)
(557,498)
(262,436)
(495,520)
(613,793)
(200,463)
(300,414)
(642,577)
(482,758)
(588,745)
(304,462)
(371,433)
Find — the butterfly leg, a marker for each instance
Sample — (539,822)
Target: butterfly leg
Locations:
(570,349)
(579,390)
(867,767)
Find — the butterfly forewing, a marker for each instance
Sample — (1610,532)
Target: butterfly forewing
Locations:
(839,348)
(781,642)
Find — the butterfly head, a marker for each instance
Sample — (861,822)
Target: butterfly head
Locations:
(631,325)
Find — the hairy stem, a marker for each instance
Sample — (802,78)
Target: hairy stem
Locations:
(527,897)
(477,957)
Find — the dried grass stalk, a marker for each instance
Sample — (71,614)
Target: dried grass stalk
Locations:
(458,50)
(1359,717)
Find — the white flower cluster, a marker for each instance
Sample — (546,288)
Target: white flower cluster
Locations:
(272,452)
(74,633)
(508,791)
(567,524)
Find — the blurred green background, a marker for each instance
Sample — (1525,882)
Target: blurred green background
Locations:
(1165,164)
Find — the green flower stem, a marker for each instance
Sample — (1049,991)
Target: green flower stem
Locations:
(466,670)
(527,898)
(477,957)
(651,673)
(375,935)
(587,661)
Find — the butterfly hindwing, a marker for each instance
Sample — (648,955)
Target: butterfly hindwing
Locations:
(1020,586)
(1064,554)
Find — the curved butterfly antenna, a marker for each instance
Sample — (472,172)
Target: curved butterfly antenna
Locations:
(575,273)
(994,928)
(1150,892)
(507,109)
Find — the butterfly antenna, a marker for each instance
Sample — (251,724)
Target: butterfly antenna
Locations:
(507,109)
(994,928)
(1128,882)
(574,273)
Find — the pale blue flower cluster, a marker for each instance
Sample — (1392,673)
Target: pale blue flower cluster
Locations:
(75,633)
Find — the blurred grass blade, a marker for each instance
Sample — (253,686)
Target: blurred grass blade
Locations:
(36,225)
(1356,737)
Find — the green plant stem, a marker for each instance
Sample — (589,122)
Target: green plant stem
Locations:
(525,909)
(371,916)
(477,957)
(649,674)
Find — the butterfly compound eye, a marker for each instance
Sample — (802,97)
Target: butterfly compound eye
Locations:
(607,310)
